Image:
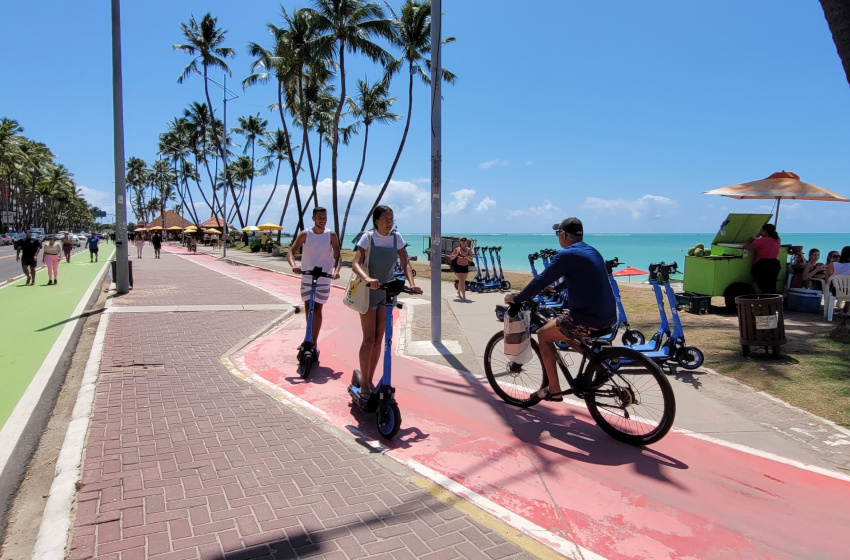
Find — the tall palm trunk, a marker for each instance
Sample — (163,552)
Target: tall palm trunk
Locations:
(837,13)
(356,182)
(276,176)
(292,165)
(251,187)
(306,140)
(400,148)
(335,149)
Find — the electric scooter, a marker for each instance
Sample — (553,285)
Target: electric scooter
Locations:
(505,284)
(630,336)
(308,352)
(674,348)
(382,400)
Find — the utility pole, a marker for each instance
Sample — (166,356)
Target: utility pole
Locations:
(436,171)
(122,274)
(226,172)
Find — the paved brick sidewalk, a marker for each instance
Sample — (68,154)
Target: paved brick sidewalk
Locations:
(185,461)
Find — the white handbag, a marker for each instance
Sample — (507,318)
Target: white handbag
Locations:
(518,337)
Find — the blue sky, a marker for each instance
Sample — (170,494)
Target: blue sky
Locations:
(619,112)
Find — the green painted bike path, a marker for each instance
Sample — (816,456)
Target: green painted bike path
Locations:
(31,318)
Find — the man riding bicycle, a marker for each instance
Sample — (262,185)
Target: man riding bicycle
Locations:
(590,300)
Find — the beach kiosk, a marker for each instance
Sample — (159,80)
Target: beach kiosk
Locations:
(724,269)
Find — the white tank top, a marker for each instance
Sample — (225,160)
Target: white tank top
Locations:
(317,251)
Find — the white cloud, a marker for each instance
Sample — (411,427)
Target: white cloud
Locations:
(548,210)
(491,163)
(105,200)
(485,204)
(648,206)
(529,162)
(460,202)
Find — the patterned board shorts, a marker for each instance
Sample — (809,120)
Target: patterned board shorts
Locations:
(569,328)
(323,291)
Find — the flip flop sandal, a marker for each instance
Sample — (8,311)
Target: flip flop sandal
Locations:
(545,395)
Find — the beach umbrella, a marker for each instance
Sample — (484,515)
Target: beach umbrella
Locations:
(157,228)
(250,228)
(780,185)
(270,227)
(630,271)
(212,230)
(175,228)
(190,229)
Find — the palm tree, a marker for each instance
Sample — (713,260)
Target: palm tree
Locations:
(138,179)
(280,61)
(199,125)
(163,178)
(252,127)
(371,106)
(837,13)
(204,43)
(349,26)
(413,36)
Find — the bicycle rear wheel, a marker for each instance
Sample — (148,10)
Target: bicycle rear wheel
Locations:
(516,384)
(630,399)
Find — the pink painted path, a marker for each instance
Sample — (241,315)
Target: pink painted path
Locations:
(681,498)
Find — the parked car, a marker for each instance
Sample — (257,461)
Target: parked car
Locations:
(83,237)
(37,233)
(6,239)
(75,241)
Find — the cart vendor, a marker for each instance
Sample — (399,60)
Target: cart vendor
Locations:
(766,265)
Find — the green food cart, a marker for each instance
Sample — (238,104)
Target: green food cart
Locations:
(724,270)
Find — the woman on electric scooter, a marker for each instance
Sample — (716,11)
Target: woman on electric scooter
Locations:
(460,266)
(384,247)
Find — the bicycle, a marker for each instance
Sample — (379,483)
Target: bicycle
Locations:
(626,393)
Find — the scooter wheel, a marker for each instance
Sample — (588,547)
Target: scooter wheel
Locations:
(305,365)
(633,337)
(690,357)
(506,285)
(389,420)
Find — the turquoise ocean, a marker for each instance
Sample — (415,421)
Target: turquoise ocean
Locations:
(634,249)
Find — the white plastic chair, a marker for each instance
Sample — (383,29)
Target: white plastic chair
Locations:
(841,284)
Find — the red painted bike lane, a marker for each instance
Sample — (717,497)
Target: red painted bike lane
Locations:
(550,465)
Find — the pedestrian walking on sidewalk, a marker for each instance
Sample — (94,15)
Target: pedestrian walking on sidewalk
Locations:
(66,247)
(385,246)
(27,251)
(93,242)
(156,241)
(51,258)
(139,242)
(460,259)
(319,247)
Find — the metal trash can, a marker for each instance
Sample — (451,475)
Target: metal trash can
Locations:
(761,322)
(115,271)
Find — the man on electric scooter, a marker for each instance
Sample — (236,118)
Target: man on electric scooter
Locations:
(590,306)
(319,247)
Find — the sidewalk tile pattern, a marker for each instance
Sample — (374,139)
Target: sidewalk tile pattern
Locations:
(185,461)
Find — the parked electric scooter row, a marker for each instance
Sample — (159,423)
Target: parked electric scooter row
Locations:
(487,282)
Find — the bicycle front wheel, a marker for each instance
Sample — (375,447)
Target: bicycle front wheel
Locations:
(629,397)
(516,384)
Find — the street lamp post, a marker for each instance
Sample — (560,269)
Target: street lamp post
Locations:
(436,171)
(122,279)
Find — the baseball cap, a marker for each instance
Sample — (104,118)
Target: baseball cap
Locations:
(570,225)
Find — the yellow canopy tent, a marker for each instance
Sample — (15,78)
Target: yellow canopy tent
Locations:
(175,228)
(155,228)
(212,230)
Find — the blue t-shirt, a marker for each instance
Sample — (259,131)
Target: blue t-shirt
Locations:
(93,241)
(590,298)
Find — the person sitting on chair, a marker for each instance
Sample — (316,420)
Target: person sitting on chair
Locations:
(813,270)
(840,267)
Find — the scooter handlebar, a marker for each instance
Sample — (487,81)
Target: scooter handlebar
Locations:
(316,273)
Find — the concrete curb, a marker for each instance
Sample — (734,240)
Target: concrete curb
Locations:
(20,435)
(55,529)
